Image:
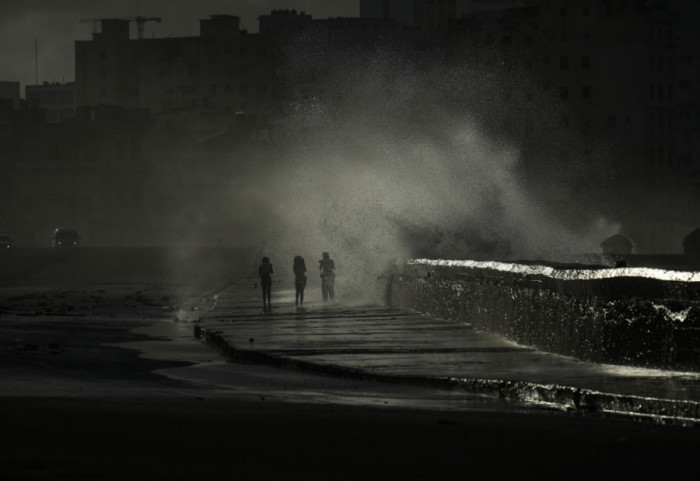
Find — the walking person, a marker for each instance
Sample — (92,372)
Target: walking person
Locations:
(265,272)
(327,267)
(299,279)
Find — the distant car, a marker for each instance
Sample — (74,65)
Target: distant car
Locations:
(65,238)
(5,242)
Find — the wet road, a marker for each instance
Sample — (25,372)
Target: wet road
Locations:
(124,342)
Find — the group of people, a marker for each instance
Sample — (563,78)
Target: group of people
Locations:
(325,265)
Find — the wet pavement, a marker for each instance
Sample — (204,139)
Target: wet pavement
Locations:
(371,342)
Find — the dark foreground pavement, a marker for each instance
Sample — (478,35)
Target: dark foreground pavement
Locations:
(203,440)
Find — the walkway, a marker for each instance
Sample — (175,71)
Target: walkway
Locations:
(378,343)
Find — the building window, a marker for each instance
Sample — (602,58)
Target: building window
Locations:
(585,62)
(564,93)
(564,62)
(586,126)
(586,91)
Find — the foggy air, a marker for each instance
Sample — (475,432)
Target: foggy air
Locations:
(330,232)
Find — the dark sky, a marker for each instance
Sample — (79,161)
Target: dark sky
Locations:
(55,25)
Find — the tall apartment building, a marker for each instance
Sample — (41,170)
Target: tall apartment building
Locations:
(622,76)
(224,69)
(57,100)
(687,119)
(280,20)
(609,66)
(433,14)
(416,13)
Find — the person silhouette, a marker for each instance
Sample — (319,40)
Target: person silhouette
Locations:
(265,272)
(299,279)
(327,267)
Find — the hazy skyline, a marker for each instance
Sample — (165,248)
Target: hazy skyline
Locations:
(55,26)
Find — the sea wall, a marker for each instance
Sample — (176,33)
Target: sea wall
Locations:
(634,316)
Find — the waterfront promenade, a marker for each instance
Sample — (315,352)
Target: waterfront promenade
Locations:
(369,341)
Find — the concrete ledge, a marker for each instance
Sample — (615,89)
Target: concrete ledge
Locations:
(634,316)
(568,398)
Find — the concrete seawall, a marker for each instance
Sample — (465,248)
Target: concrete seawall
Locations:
(633,316)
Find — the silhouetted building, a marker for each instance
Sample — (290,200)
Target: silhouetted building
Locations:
(604,74)
(433,14)
(687,116)
(224,69)
(9,92)
(691,243)
(56,99)
(617,245)
(608,85)
(279,21)
(9,102)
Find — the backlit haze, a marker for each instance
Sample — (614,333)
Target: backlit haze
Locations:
(394,160)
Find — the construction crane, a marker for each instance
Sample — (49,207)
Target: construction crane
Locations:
(140,21)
